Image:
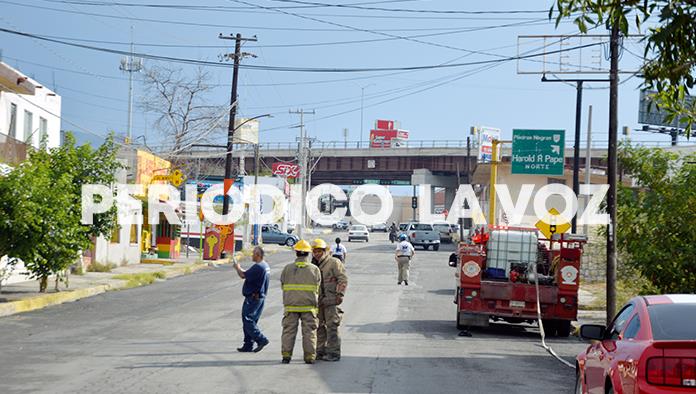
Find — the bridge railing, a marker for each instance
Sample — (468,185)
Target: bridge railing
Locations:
(420,144)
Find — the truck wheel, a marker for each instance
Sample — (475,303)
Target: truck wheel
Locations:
(436,247)
(562,328)
(549,327)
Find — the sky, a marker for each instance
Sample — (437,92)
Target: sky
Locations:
(433,104)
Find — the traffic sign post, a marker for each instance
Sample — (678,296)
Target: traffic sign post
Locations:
(538,152)
(550,225)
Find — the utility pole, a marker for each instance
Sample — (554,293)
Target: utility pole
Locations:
(611,169)
(304,163)
(236,57)
(130,65)
(588,161)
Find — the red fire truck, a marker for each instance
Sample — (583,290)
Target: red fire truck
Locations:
(498,269)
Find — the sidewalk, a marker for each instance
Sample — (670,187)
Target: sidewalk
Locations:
(24,296)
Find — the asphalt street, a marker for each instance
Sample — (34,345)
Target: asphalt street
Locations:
(180,336)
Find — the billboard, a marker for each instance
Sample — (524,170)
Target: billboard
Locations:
(650,115)
(486,135)
(387,134)
(285,169)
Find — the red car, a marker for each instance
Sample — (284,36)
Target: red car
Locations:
(650,347)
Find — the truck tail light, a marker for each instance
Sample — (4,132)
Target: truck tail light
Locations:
(672,371)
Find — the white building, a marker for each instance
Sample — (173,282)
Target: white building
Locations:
(29,112)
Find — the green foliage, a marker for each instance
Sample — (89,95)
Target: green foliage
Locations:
(670,44)
(99,267)
(40,206)
(141,279)
(657,219)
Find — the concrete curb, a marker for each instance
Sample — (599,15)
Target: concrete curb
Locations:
(45,300)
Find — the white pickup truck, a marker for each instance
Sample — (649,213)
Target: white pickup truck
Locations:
(421,234)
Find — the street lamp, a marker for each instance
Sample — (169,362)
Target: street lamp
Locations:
(362,97)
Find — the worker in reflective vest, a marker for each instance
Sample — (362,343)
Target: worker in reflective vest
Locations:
(301,283)
(333,288)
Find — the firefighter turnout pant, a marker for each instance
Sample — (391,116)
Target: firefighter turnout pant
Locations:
(309,334)
(404,264)
(328,338)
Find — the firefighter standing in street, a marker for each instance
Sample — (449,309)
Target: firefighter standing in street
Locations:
(333,287)
(301,283)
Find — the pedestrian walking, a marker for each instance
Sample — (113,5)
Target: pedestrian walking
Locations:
(301,283)
(339,251)
(255,287)
(333,287)
(404,254)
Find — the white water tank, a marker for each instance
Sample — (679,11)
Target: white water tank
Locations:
(511,246)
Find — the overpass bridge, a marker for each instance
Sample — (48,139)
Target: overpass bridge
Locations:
(354,163)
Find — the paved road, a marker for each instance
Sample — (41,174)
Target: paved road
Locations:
(180,336)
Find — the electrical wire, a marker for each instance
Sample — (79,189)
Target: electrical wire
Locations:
(189,23)
(532,22)
(299,69)
(301,5)
(407,10)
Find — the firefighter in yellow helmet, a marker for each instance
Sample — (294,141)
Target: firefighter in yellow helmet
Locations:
(301,283)
(333,287)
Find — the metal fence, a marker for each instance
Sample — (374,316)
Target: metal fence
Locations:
(419,144)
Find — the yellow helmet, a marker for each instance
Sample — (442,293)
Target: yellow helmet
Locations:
(319,244)
(303,246)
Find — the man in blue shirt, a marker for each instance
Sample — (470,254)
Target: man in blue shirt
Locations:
(256,281)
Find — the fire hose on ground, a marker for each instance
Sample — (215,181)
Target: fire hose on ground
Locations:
(541,325)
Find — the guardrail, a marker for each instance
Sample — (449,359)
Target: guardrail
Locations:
(420,144)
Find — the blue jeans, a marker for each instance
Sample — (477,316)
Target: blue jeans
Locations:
(251,313)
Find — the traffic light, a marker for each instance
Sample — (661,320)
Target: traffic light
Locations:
(414,202)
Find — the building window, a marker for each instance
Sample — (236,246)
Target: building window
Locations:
(43,130)
(28,126)
(13,121)
(116,235)
(134,234)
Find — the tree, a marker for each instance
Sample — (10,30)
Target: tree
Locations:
(670,48)
(184,116)
(657,218)
(40,206)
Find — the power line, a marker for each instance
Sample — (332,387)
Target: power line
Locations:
(197,24)
(531,22)
(302,69)
(407,10)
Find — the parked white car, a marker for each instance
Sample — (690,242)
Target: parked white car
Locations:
(358,231)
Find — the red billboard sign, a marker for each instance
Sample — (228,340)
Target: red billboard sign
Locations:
(387,134)
(286,170)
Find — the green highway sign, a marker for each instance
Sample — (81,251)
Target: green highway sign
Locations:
(538,152)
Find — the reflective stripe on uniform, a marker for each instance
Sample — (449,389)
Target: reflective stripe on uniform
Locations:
(293,308)
(301,287)
(301,264)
